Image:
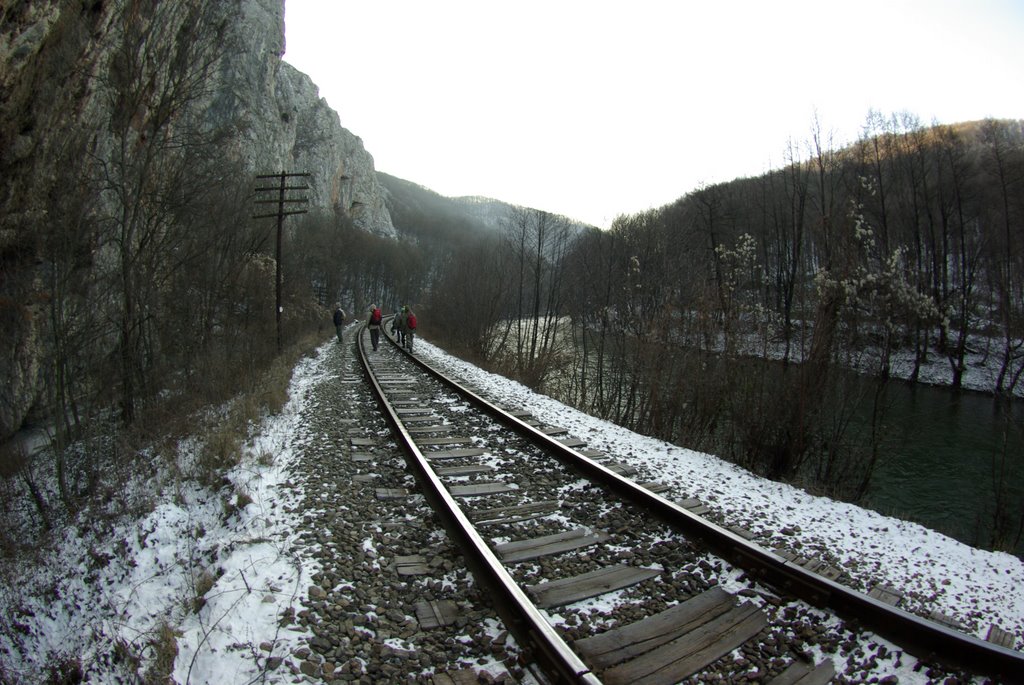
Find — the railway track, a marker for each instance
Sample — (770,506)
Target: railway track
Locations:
(603,580)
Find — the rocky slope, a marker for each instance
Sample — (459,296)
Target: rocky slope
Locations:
(57,60)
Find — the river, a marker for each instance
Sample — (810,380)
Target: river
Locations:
(939,470)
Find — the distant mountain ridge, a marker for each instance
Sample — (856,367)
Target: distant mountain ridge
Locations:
(416,209)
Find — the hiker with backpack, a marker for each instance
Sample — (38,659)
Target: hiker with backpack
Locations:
(374,325)
(409,326)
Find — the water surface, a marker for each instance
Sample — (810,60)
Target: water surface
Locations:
(941,468)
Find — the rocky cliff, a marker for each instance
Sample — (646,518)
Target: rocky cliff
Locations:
(58,59)
(283,124)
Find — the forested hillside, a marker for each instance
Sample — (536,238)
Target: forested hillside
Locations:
(909,244)
(423,213)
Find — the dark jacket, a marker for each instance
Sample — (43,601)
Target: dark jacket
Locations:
(339,317)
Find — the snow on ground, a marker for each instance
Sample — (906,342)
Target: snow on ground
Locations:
(93,593)
(981,372)
(981,363)
(262,576)
(973,586)
(123,586)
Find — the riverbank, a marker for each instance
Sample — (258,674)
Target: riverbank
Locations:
(980,375)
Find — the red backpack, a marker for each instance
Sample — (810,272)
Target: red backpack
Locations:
(375,317)
(410,321)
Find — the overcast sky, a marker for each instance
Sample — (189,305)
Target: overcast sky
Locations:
(593,109)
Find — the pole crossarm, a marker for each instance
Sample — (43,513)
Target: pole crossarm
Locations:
(271,216)
(284,174)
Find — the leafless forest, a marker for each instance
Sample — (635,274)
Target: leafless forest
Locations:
(909,242)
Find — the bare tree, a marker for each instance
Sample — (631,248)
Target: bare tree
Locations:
(1003,167)
(160,69)
(785,249)
(536,243)
(470,299)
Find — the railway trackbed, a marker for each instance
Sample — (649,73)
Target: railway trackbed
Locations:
(601,579)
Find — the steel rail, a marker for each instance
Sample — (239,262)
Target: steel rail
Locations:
(522,618)
(924,638)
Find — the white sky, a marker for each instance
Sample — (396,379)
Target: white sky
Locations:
(592,108)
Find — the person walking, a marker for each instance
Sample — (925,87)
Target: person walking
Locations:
(374,325)
(339,321)
(409,319)
(398,326)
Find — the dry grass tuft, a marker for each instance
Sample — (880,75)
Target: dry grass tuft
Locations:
(164,647)
(202,583)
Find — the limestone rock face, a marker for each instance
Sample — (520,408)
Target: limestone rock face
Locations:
(343,175)
(284,125)
(56,61)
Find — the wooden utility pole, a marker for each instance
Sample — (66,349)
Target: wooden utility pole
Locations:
(281,201)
